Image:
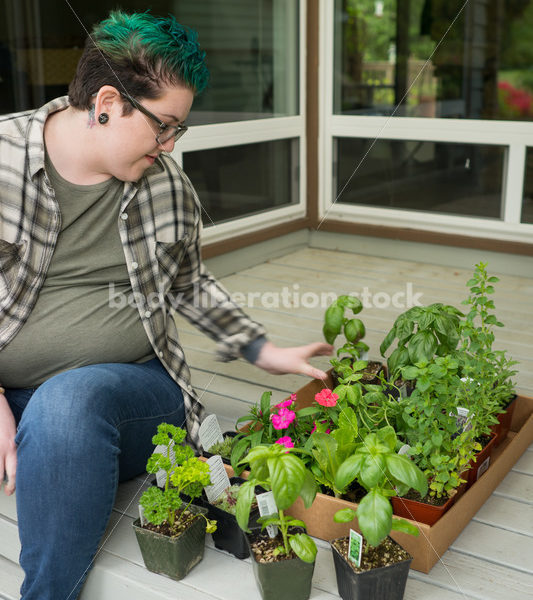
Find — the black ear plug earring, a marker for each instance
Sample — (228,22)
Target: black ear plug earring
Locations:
(103,118)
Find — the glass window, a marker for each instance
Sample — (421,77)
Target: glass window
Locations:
(252,52)
(459,179)
(527,202)
(243,180)
(434,58)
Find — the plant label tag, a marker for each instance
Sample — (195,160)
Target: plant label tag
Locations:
(142,518)
(404,449)
(483,467)
(161,475)
(219,478)
(403,391)
(364,355)
(463,419)
(210,432)
(267,507)
(355,548)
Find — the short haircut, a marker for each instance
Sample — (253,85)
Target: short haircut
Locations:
(138,54)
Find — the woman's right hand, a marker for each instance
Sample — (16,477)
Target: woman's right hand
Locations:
(8,449)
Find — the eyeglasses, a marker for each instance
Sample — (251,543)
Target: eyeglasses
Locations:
(166,131)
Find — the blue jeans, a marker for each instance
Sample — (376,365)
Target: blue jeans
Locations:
(79,434)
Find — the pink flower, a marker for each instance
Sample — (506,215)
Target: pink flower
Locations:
(326,398)
(285,441)
(283,419)
(287,403)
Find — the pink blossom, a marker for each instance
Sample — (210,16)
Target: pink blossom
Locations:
(326,398)
(285,441)
(283,419)
(287,403)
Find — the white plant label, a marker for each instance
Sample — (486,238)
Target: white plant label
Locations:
(161,475)
(463,419)
(210,432)
(267,507)
(404,449)
(483,467)
(142,518)
(219,478)
(355,549)
(403,391)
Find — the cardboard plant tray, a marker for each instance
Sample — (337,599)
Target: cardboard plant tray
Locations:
(433,541)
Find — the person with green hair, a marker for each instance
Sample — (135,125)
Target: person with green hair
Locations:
(100,246)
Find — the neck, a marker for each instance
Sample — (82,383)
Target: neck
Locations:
(70,139)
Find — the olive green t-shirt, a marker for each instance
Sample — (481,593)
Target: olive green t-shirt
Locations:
(85,313)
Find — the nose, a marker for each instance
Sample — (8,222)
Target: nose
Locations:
(168,146)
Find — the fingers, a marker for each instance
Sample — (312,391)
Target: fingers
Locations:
(319,349)
(313,372)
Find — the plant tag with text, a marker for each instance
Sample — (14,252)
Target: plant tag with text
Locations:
(267,507)
(210,432)
(219,478)
(161,475)
(355,548)
(463,419)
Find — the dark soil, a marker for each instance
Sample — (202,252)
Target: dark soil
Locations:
(414,495)
(264,547)
(483,440)
(183,520)
(371,371)
(387,553)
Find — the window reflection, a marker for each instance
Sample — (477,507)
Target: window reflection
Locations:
(434,58)
(459,179)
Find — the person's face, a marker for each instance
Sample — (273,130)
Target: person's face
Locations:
(131,145)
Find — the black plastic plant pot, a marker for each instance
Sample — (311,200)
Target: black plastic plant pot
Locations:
(282,580)
(229,536)
(170,556)
(383,583)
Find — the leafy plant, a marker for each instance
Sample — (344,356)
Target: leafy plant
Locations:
(227,501)
(224,447)
(269,424)
(428,423)
(187,473)
(278,470)
(376,465)
(491,369)
(335,321)
(422,332)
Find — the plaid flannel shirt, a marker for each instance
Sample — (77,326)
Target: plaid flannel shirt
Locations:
(159,225)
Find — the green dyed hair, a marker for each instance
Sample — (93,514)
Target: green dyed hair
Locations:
(138,53)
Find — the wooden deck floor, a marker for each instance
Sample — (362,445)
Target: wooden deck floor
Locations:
(491,560)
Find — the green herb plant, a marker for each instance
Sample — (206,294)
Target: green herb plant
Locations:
(421,333)
(223,448)
(281,471)
(489,370)
(354,331)
(384,473)
(428,424)
(187,474)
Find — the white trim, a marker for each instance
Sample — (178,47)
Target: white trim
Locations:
(514,136)
(437,222)
(269,218)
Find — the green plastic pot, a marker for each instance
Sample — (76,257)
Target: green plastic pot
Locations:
(173,556)
(282,580)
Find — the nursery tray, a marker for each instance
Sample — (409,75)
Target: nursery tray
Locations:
(434,540)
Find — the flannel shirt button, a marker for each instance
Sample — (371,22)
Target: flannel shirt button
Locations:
(134,265)
(124,216)
(148,314)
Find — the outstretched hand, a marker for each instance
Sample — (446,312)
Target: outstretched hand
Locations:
(292,360)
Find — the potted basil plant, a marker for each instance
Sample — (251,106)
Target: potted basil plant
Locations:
(283,565)
(384,564)
(172,534)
